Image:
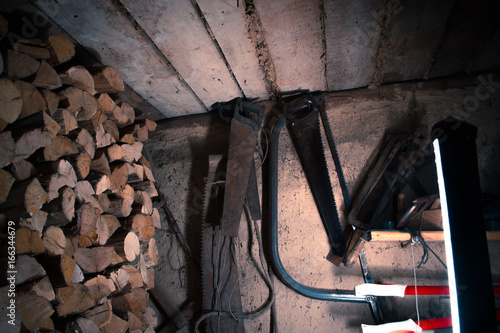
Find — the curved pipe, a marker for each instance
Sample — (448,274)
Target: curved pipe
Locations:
(320,294)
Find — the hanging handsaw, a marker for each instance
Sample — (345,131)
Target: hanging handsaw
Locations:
(303,119)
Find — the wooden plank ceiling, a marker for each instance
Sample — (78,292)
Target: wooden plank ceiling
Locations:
(184,55)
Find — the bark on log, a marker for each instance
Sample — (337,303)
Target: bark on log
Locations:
(46,77)
(6,181)
(22,169)
(142,203)
(30,142)
(107,79)
(62,209)
(95,259)
(51,99)
(79,77)
(100,164)
(119,207)
(7,149)
(59,269)
(147,186)
(11,101)
(28,269)
(18,65)
(42,288)
(39,120)
(61,49)
(81,165)
(66,119)
(126,245)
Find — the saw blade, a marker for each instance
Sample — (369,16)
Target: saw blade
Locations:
(220,278)
(304,126)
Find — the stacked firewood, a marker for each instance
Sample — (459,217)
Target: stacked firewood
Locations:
(78,189)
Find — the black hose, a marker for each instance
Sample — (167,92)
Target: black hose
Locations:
(281,273)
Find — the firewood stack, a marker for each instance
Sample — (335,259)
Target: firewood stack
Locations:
(75,182)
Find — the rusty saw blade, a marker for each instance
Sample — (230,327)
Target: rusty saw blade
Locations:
(303,121)
(221,300)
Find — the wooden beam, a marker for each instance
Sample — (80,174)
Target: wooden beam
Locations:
(429,236)
(180,34)
(157,82)
(229,26)
(295,40)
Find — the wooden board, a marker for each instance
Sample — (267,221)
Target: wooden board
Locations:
(178,31)
(470,25)
(351,31)
(229,26)
(294,37)
(416,31)
(111,36)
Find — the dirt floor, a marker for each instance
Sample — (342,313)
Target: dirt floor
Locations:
(180,148)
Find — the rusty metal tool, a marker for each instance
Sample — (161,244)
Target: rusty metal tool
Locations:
(303,119)
(245,126)
(419,205)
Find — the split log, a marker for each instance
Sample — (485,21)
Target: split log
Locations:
(28,241)
(61,49)
(30,192)
(28,269)
(103,139)
(82,104)
(139,132)
(147,186)
(65,175)
(133,152)
(106,227)
(119,207)
(100,183)
(100,164)
(51,100)
(111,128)
(32,47)
(103,201)
(142,225)
(87,216)
(156,218)
(6,181)
(135,324)
(73,299)
(124,115)
(126,245)
(46,77)
(135,301)
(100,287)
(83,140)
(107,79)
(40,120)
(119,177)
(95,259)
(66,120)
(135,280)
(81,164)
(42,288)
(35,222)
(87,240)
(150,252)
(59,268)
(79,77)
(33,100)
(30,142)
(35,310)
(135,173)
(142,203)
(115,153)
(71,246)
(151,278)
(22,169)
(144,161)
(101,315)
(60,146)
(150,124)
(106,103)
(54,241)
(127,138)
(77,276)
(97,119)
(84,191)
(7,149)
(61,209)
(19,65)
(116,325)
(85,325)
(11,102)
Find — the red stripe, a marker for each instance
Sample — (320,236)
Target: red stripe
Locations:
(428,290)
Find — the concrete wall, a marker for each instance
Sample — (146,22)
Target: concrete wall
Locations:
(359,119)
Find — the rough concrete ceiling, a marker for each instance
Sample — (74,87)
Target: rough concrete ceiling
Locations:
(182,56)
